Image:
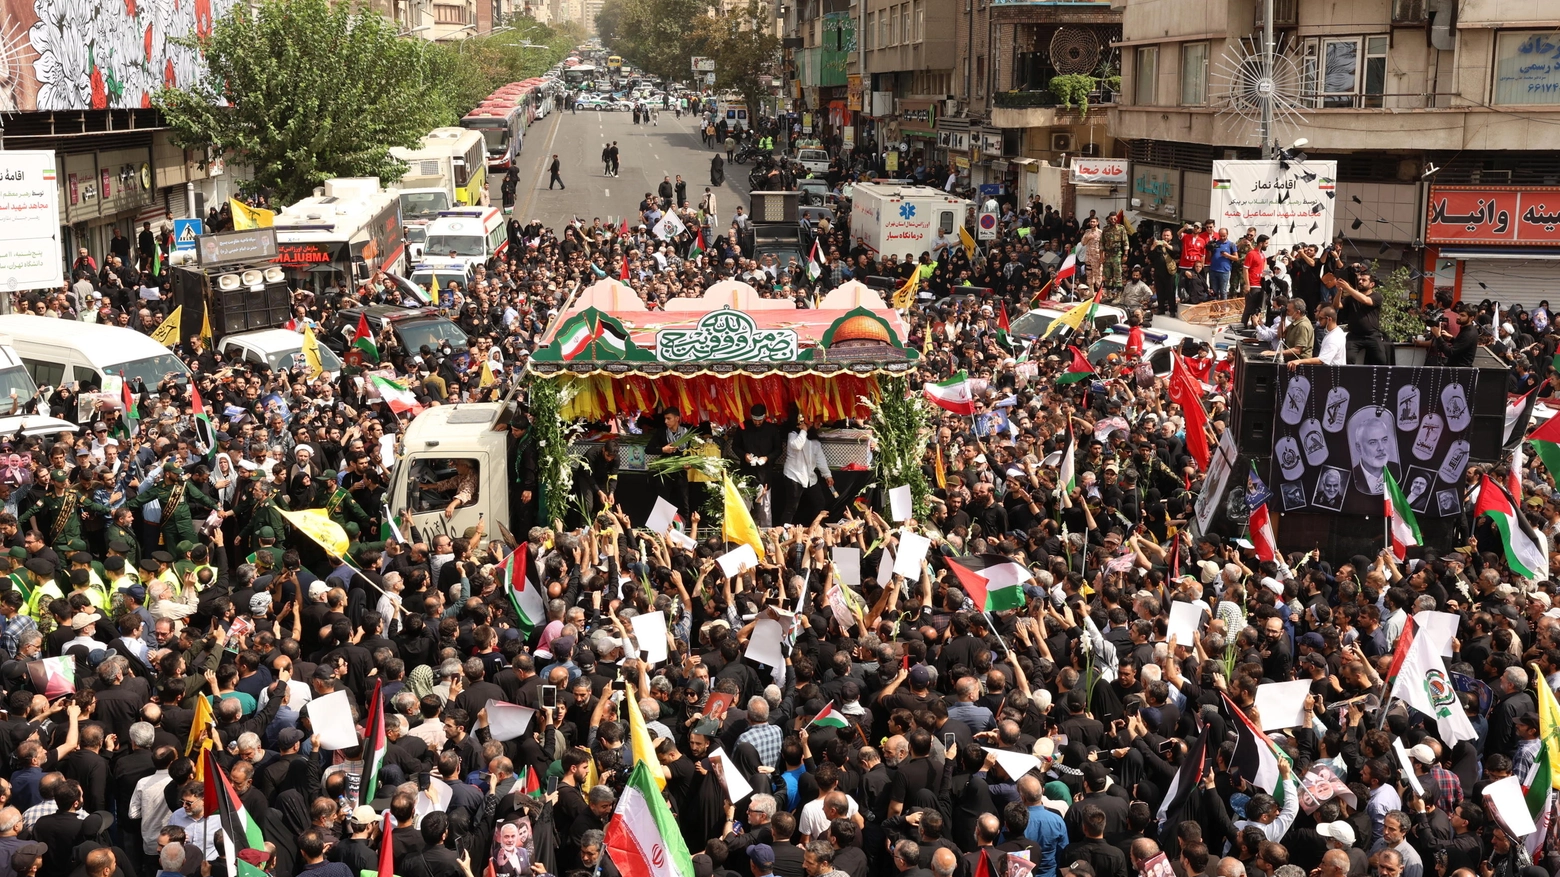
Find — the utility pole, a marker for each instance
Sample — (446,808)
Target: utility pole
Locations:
(1265,85)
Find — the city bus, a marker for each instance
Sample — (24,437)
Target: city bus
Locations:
(614,65)
(502,123)
(341,236)
(580,75)
(451,159)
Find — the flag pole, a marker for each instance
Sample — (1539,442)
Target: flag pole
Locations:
(993,626)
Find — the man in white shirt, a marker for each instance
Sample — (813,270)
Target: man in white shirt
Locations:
(1330,347)
(148,802)
(805,465)
(200,830)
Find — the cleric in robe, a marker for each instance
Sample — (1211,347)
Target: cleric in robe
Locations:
(1372,448)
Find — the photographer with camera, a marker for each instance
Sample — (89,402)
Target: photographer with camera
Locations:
(1358,303)
(1455,344)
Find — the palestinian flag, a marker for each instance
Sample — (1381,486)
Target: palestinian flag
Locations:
(697,249)
(1079,369)
(1003,328)
(1181,801)
(156,261)
(1519,414)
(240,831)
(204,432)
(814,270)
(528,784)
(643,837)
(1405,527)
(953,395)
(1256,758)
(1546,443)
(623,227)
(363,346)
(830,718)
(396,395)
(132,416)
(609,337)
(624,275)
(1524,554)
(53,677)
(524,594)
(1067,471)
(375,744)
(994,582)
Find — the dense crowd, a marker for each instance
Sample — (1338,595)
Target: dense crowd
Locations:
(1051,738)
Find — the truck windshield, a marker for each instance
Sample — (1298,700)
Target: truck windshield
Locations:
(435,332)
(16,379)
(459,244)
(152,370)
(419,204)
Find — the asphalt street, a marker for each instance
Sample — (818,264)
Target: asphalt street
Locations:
(646,154)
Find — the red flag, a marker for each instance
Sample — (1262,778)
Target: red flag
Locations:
(624,276)
(983,867)
(386,850)
(1186,391)
(623,227)
(1002,324)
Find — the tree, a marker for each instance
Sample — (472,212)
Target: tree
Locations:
(470,70)
(609,23)
(308,91)
(657,36)
(744,47)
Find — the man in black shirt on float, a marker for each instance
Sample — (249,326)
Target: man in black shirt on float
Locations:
(1457,351)
(1359,310)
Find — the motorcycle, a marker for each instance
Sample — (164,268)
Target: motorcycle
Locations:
(747,153)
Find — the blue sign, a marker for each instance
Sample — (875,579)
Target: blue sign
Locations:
(991,188)
(184,233)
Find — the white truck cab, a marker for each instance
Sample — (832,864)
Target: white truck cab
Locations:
(449,442)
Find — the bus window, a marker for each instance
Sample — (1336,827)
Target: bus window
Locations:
(460,172)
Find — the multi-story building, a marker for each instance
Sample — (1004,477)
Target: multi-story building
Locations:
(1441,115)
(819,37)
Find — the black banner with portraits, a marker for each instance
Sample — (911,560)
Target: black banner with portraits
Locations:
(1338,430)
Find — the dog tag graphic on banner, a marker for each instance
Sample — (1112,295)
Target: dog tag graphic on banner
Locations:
(1454,401)
(1289,462)
(1429,436)
(1408,408)
(1336,414)
(1313,441)
(1456,458)
(1295,397)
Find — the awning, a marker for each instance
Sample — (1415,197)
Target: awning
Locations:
(1522,253)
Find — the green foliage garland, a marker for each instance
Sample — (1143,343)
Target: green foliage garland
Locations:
(554,462)
(901,423)
(1073,89)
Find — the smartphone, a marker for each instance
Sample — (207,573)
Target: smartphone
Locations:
(552,785)
(948,740)
(620,684)
(549,696)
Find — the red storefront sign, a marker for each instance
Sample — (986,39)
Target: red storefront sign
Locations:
(1494,215)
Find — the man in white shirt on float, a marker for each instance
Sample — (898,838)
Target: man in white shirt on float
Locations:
(1330,347)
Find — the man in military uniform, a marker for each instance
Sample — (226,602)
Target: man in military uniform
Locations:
(200,477)
(355,548)
(120,537)
(60,512)
(257,509)
(173,493)
(265,537)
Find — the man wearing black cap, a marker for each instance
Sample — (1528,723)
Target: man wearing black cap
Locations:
(759,446)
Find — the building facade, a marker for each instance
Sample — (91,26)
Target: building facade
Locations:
(1441,115)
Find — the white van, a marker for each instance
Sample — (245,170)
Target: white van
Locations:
(276,349)
(56,352)
(468,234)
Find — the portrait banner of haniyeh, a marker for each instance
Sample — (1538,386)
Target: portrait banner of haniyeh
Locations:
(1340,430)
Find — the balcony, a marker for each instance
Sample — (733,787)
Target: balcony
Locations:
(1054,12)
(1042,109)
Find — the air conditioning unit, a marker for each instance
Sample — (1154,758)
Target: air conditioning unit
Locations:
(1061,142)
(1286,13)
(1091,150)
(1408,11)
(950,107)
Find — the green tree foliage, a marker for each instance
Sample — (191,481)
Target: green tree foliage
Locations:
(308,91)
(471,69)
(744,47)
(1401,316)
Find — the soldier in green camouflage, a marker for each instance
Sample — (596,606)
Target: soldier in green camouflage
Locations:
(60,512)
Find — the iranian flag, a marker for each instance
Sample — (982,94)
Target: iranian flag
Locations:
(1524,554)
(1546,443)
(524,594)
(953,395)
(1078,370)
(643,837)
(375,745)
(396,395)
(814,270)
(830,717)
(1262,538)
(53,677)
(994,582)
(1405,527)
(239,830)
(363,340)
(576,340)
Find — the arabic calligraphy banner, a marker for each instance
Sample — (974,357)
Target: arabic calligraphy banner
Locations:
(1339,429)
(1493,215)
(1292,205)
(1100,170)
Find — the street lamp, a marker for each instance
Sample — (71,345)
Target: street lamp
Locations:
(407,33)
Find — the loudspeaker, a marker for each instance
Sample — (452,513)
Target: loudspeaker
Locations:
(1254,428)
(1256,377)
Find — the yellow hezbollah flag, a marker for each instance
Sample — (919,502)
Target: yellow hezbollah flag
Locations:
(639,739)
(1548,726)
(317,525)
(737,522)
(904,297)
(200,740)
(205,325)
(967,241)
(1072,319)
(311,352)
(246,217)
(167,332)
(487,379)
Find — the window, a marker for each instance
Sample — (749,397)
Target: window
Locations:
(945,223)
(905,30)
(920,21)
(45,374)
(1194,74)
(1526,68)
(437,482)
(1145,76)
(893,27)
(866,36)
(447,14)
(980,75)
(1375,71)
(1340,72)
